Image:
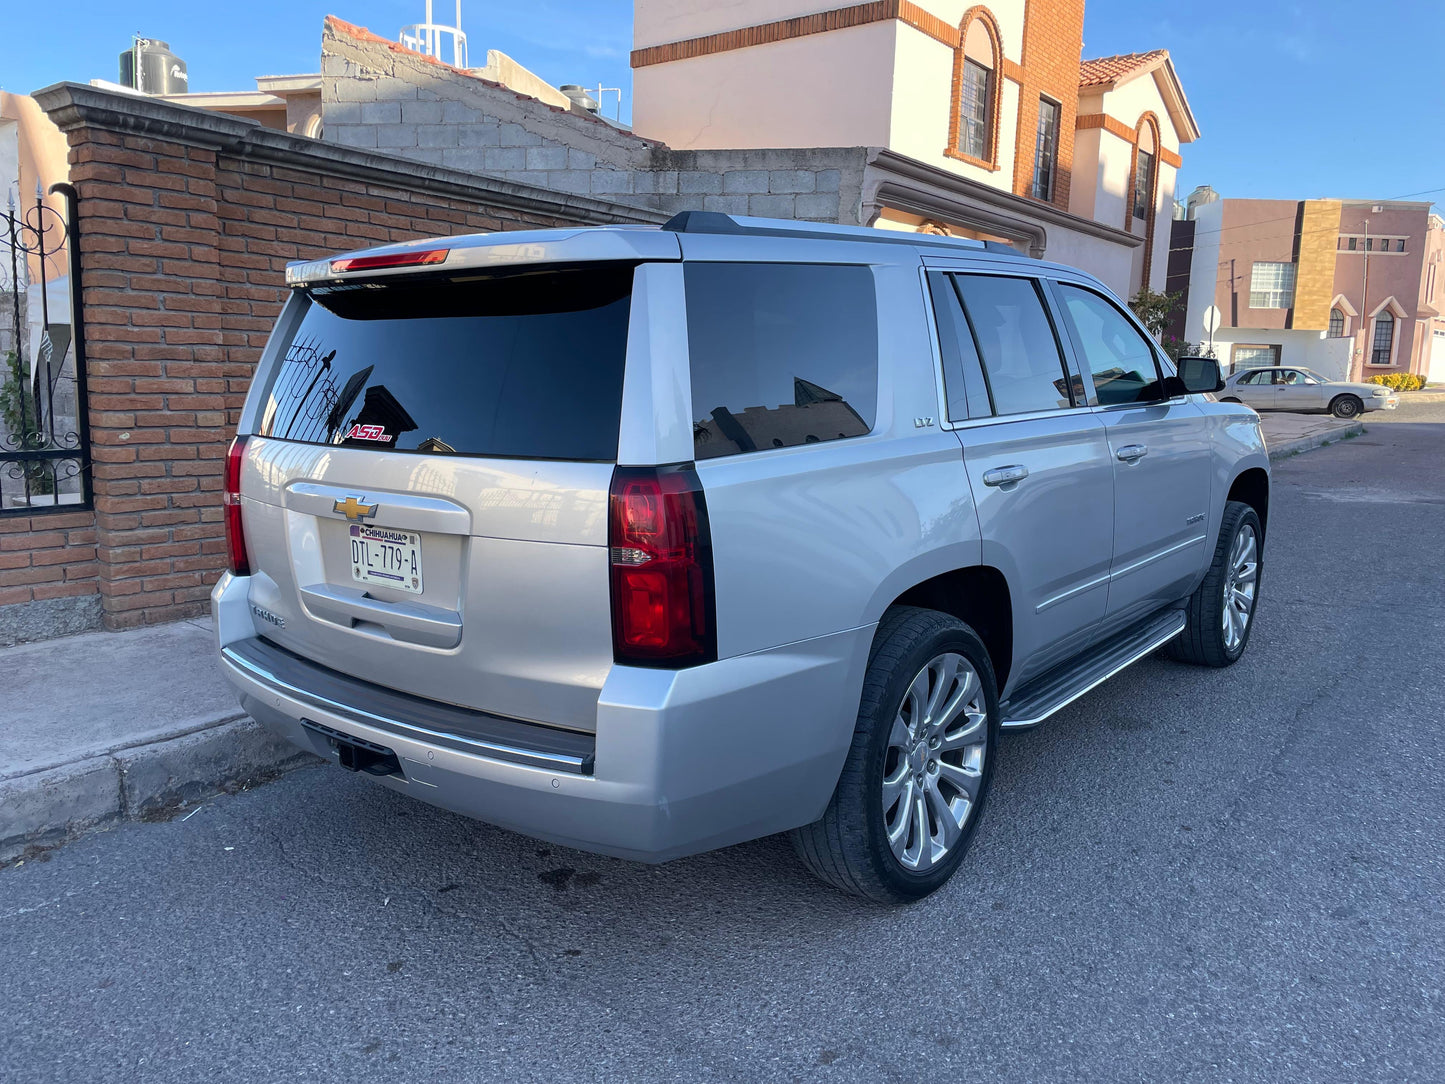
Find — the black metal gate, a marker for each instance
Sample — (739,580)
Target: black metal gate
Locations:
(44,421)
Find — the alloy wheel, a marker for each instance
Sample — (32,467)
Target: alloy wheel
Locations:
(933,766)
(1240,584)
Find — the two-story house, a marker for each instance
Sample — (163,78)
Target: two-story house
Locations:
(982,120)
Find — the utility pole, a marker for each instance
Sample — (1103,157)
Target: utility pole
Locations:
(1364,310)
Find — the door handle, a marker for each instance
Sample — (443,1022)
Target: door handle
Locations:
(1131,452)
(1002,476)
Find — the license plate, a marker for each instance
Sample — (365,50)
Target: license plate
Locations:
(386,557)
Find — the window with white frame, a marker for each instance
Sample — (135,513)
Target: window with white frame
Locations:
(1384,340)
(1337,323)
(1271,285)
(1255,357)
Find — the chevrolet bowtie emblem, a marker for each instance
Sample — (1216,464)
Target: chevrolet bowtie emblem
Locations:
(354,509)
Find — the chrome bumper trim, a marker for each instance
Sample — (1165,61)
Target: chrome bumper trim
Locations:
(557,762)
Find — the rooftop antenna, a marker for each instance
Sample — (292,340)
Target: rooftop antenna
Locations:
(427,38)
(601,90)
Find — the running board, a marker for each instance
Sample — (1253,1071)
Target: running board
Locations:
(1063,685)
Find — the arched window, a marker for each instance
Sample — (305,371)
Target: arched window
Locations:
(1337,324)
(1145,157)
(1384,338)
(976,73)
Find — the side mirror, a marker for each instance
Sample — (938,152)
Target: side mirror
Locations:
(1195,375)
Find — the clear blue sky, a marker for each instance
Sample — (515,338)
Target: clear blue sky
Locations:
(1295,99)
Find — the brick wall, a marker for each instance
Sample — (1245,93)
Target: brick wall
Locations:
(187,220)
(1053,40)
(49,575)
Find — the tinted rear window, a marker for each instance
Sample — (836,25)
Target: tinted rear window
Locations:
(781,354)
(1016,339)
(525,366)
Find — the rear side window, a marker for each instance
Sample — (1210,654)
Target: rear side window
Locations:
(963,383)
(525,366)
(1120,358)
(781,354)
(1016,340)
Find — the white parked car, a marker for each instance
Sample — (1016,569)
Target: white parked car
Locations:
(1305,392)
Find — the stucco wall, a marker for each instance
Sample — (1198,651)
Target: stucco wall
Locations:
(1111,263)
(1203,268)
(923,101)
(822,90)
(1307,349)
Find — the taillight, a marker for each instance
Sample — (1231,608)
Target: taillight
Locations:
(661,554)
(240,561)
(390,259)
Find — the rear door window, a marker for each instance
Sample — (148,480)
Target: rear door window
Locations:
(781,354)
(1121,359)
(1016,340)
(963,383)
(525,366)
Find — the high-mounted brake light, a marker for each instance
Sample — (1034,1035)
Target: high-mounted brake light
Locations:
(390,259)
(661,555)
(237,557)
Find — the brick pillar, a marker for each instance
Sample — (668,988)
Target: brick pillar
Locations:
(164,395)
(1053,42)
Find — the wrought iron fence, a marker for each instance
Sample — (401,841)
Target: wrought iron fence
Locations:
(44,423)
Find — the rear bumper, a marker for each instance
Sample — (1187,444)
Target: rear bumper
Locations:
(682,761)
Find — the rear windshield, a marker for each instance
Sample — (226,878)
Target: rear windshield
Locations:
(525,366)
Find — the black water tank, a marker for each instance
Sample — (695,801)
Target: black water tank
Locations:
(160,70)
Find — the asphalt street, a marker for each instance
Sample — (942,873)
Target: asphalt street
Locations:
(1189,875)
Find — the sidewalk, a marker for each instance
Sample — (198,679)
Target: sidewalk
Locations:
(109,726)
(1289,434)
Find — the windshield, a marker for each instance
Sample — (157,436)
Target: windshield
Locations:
(524,366)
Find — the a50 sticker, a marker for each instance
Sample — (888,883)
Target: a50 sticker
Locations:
(366,432)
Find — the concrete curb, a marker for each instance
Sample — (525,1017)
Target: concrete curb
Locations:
(1315,440)
(150,781)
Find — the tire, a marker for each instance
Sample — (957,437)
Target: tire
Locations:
(849,846)
(1206,641)
(1346,406)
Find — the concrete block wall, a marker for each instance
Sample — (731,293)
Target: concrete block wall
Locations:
(378,96)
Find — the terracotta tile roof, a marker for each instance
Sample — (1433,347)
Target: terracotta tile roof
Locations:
(1113,69)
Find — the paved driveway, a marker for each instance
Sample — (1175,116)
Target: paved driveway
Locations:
(1188,875)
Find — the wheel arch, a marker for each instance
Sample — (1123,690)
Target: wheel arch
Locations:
(1251,487)
(979,596)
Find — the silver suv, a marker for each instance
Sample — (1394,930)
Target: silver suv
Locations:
(652,540)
